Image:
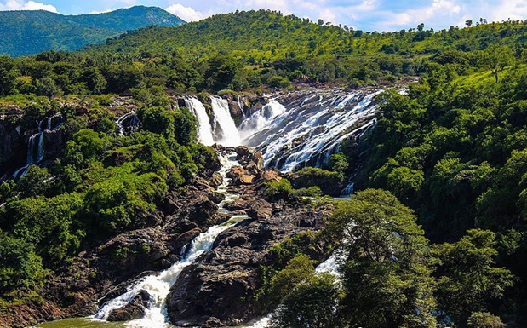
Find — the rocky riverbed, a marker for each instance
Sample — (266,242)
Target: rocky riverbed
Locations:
(218,289)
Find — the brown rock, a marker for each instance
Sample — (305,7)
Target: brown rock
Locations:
(246,179)
(136,309)
(271,175)
(216,180)
(260,209)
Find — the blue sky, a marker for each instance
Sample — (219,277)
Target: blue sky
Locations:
(369,15)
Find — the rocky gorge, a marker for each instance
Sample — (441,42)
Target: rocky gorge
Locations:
(221,287)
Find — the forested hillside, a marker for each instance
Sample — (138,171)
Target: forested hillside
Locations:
(30,32)
(435,237)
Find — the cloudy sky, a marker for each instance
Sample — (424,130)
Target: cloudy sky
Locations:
(369,15)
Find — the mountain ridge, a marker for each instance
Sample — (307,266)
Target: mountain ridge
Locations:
(32,31)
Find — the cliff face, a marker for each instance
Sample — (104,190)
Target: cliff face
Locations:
(12,140)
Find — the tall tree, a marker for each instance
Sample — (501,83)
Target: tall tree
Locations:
(388,264)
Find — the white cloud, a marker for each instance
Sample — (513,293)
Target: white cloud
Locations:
(328,15)
(29,5)
(513,9)
(96,12)
(186,13)
(438,12)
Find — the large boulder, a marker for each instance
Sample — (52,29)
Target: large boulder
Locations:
(136,309)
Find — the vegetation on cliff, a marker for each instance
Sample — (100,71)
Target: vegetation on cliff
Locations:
(102,185)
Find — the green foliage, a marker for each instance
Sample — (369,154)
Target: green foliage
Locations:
(84,147)
(312,303)
(48,224)
(122,201)
(387,266)
(468,282)
(328,181)
(282,256)
(278,189)
(338,162)
(180,124)
(437,150)
(52,31)
(21,269)
(298,270)
(484,320)
(35,182)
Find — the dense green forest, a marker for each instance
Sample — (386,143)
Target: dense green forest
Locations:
(254,49)
(30,32)
(440,241)
(103,184)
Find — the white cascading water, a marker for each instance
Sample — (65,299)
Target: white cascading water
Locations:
(120,121)
(348,190)
(158,285)
(290,133)
(313,128)
(240,104)
(204,130)
(330,265)
(262,119)
(40,147)
(230,136)
(35,145)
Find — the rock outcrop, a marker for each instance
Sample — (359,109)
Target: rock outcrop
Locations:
(136,309)
(220,288)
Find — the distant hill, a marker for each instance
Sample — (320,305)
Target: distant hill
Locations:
(31,32)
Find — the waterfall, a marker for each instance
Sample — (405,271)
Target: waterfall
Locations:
(262,119)
(241,105)
(133,122)
(308,128)
(30,149)
(204,129)
(40,147)
(158,285)
(222,116)
(330,265)
(348,190)
(35,145)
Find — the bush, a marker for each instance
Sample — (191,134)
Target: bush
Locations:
(484,320)
(21,270)
(329,182)
(279,189)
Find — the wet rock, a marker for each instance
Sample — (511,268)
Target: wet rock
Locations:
(271,175)
(235,174)
(202,209)
(136,309)
(216,180)
(249,158)
(222,286)
(216,197)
